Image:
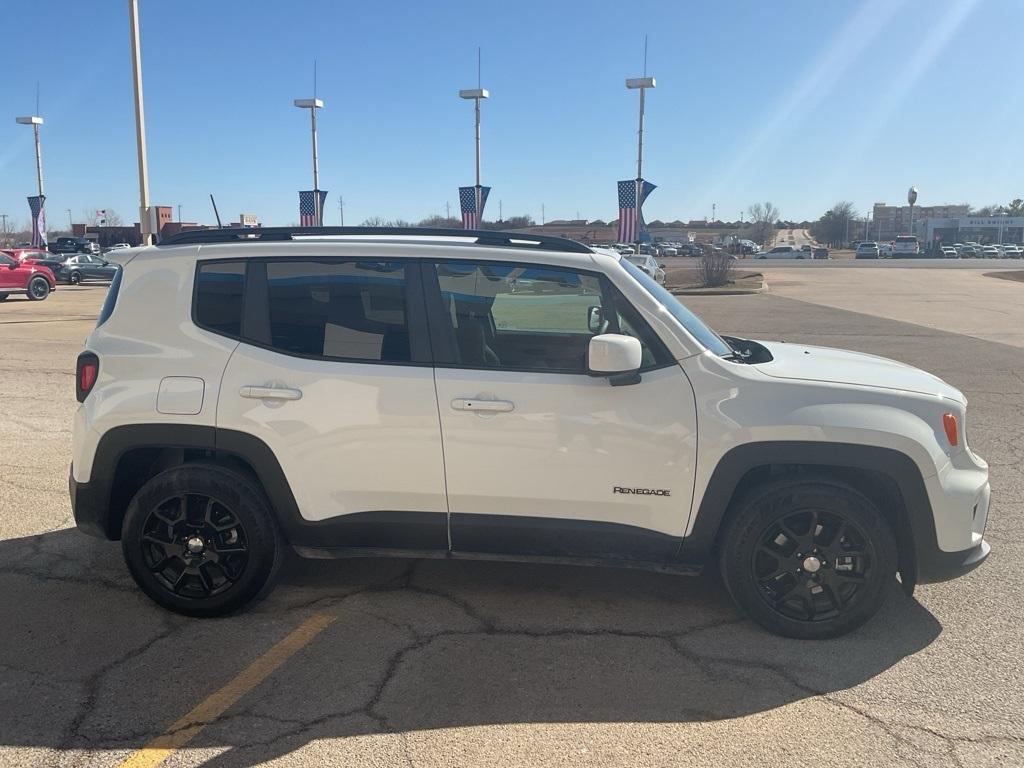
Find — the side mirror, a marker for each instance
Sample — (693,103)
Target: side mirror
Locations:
(616,356)
(595,319)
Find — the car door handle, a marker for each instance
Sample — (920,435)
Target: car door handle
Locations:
(270,393)
(482,406)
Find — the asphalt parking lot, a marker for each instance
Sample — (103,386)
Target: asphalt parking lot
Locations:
(377,662)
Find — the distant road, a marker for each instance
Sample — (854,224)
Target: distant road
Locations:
(795,237)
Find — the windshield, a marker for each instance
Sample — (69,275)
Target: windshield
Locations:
(686,318)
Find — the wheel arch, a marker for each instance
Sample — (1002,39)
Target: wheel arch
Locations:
(129,456)
(889,478)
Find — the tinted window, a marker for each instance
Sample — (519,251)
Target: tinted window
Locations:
(5,259)
(219,291)
(353,310)
(528,317)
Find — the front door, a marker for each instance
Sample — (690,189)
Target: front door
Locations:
(540,457)
(333,374)
(9,278)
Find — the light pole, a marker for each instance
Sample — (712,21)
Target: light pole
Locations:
(35,121)
(641,84)
(4,217)
(71,226)
(145,224)
(313,105)
(912,198)
(476,94)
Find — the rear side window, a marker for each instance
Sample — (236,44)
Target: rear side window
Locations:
(220,287)
(349,310)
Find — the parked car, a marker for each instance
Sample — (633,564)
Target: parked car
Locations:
(949,252)
(820,253)
(885,250)
(117,246)
(905,246)
(24,254)
(68,245)
(783,252)
(866,250)
(16,277)
(1012,251)
(969,252)
(991,252)
(650,266)
(77,269)
(807,247)
(808,476)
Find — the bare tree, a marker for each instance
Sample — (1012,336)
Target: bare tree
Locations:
(762,220)
(715,268)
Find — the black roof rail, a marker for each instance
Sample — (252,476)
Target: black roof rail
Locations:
(278,234)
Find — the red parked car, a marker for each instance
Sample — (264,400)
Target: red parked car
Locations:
(33,280)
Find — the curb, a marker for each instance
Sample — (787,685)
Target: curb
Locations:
(721,291)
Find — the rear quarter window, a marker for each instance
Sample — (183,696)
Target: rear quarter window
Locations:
(219,292)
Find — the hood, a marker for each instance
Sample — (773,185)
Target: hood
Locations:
(839,366)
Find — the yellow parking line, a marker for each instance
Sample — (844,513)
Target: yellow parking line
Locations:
(214,705)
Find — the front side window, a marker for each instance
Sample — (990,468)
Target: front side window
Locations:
(534,318)
(352,310)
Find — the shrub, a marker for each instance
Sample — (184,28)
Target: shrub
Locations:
(715,268)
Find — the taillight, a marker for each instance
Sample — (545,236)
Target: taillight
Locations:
(952,430)
(87,370)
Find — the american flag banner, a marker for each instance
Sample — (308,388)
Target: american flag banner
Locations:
(467,202)
(631,219)
(307,208)
(35,204)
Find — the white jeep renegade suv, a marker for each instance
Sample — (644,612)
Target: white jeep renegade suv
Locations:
(458,394)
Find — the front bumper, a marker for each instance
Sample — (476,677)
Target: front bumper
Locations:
(937,565)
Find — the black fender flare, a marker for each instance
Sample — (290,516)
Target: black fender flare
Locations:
(914,524)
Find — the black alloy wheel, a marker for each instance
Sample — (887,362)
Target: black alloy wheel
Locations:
(194,545)
(812,565)
(201,539)
(807,557)
(38,289)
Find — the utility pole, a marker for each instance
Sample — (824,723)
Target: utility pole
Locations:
(4,217)
(140,124)
(179,214)
(501,213)
(542,214)
(447,210)
(713,205)
(341,209)
(70,225)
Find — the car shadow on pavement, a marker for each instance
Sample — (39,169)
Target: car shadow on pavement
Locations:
(87,663)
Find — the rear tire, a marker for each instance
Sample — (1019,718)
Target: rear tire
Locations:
(38,289)
(74,278)
(808,558)
(3,296)
(201,540)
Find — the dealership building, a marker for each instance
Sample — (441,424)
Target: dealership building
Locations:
(970,229)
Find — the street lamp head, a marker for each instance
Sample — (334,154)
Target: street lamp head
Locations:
(33,120)
(912,195)
(640,82)
(474,93)
(309,103)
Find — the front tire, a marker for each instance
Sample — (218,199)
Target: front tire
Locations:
(38,289)
(808,558)
(74,278)
(201,540)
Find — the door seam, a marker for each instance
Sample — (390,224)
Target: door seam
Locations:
(444,463)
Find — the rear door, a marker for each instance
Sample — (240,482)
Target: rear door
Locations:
(540,457)
(333,374)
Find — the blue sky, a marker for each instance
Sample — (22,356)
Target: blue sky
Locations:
(802,103)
